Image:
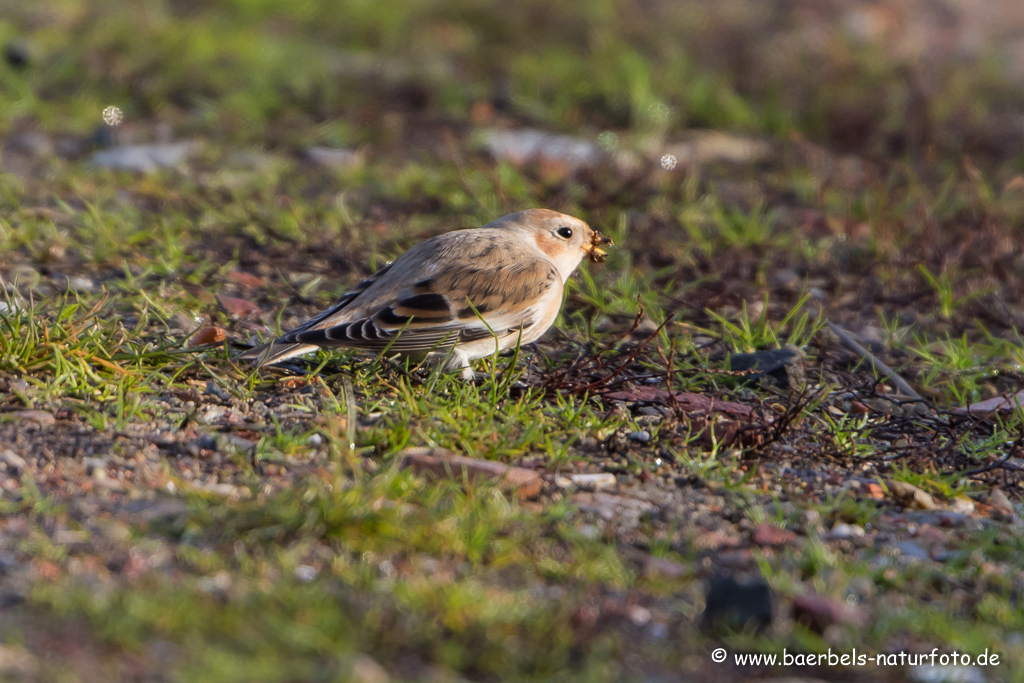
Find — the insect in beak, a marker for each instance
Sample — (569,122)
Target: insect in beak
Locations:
(594,250)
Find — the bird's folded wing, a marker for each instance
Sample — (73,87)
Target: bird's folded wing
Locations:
(339,307)
(459,303)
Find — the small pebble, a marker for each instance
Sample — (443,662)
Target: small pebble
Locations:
(40,417)
(365,669)
(843,530)
(305,573)
(1000,500)
(641,437)
(640,616)
(594,482)
(14,461)
(658,630)
(962,505)
(910,551)
(92,465)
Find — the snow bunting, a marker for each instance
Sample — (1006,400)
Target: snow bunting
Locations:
(461,295)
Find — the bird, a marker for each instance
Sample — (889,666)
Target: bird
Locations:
(460,295)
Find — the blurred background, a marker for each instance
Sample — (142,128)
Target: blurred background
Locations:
(878,78)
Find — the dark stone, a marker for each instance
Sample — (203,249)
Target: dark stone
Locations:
(102,137)
(733,606)
(212,389)
(783,367)
(16,54)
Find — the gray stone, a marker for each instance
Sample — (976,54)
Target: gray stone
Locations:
(144,158)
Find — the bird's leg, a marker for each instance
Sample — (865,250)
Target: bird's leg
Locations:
(459,361)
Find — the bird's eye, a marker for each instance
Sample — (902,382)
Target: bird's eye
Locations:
(565,232)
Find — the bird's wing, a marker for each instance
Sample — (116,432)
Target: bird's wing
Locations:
(276,352)
(460,302)
(339,307)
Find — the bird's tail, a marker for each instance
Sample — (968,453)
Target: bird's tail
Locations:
(268,354)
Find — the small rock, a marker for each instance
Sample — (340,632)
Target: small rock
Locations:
(640,616)
(335,159)
(999,499)
(158,510)
(858,408)
(208,335)
(843,530)
(524,146)
(658,630)
(818,294)
(144,158)
(811,520)
(594,482)
(862,588)
(305,573)
(211,413)
(93,464)
(185,322)
(716,540)
(218,583)
(17,664)
(787,280)
(885,406)
(684,400)
(14,461)
(214,389)
(17,54)
(732,605)
(819,612)
(76,283)
(911,496)
(245,279)
(669,569)
(234,441)
(1004,403)
(365,669)
(40,417)
(240,308)
(221,489)
(651,411)
(707,146)
(444,463)
(783,367)
(962,505)
(766,534)
(640,437)
(646,328)
(608,506)
(911,551)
